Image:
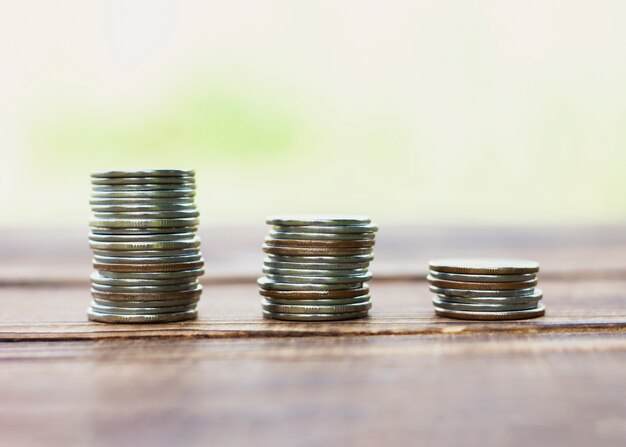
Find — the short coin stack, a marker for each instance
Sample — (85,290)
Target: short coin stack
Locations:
(316,268)
(146,252)
(485,289)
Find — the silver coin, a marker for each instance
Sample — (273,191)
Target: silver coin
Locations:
(141,237)
(502,307)
(123,215)
(299,309)
(306,272)
(320,302)
(464,285)
(162,318)
(144,289)
(143,208)
(485,316)
(482,293)
(184,283)
(361,278)
(315,265)
(143,223)
(144,187)
(147,201)
(316,294)
(133,246)
(154,275)
(142,231)
(485,266)
(182,260)
(535,296)
(147,253)
(482,278)
(145,173)
(147,296)
(139,304)
(290,235)
(268,284)
(354,259)
(312,219)
(368,228)
(185,194)
(121,310)
(314,317)
(141,180)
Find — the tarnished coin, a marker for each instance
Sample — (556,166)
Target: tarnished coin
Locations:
(268,284)
(122,310)
(142,237)
(485,293)
(290,235)
(501,307)
(145,173)
(141,246)
(481,285)
(485,266)
(359,243)
(352,279)
(146,296)
(303,272)
(367,228)
(157,267)
(141,180)
(322,259)
(533,297)
(511,315)
(313,251)
(312,219)
(482,278)
(155,275)
(320,302)
(315,294)
(137,304)
(318,309)
(160,318)
(144,223)
(325,266)
(314,317)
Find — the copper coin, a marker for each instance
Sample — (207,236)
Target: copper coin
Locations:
(149,296)
(315,294)
(463,285)
(485,266)
(314,251)
(539,311)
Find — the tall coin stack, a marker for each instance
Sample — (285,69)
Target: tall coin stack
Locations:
(316,268)
(146,252)
(485,289)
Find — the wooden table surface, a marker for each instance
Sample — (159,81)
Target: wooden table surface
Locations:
(400,377)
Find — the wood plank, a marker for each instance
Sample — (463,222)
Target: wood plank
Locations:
(62,256)
(537,389)
(232,311)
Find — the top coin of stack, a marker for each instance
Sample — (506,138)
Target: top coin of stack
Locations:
(316,268)
(485,289)
(146,252)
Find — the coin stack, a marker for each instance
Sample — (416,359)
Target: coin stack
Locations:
(146,252)
(485,289)
(316,268)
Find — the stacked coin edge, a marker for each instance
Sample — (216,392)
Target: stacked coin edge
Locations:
(317,268)
(147,257)
(485,289)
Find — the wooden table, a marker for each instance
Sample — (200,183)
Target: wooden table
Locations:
(401,377)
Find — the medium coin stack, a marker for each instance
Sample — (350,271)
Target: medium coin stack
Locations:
(146,251)
(316,268)
(485,289)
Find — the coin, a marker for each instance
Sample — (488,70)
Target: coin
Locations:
(150,246)
(485,266)
(182,194)
(156,267)
(156,275)
(485,293)
(295,279)
(510,315)
(336,229)
(142,237)
(482,278)
(313,251)
(186,214)
(307,220)
(140,180)
(98,280)
(159,318)
(317,309)
(500,307)
(314,317)
(337,243)
(127,202)
(268,284)
(306,272)
(326,266)
(322,259)
(144,289)
(481,285)
(143,188)
(315,294)
(146,296)
(139,304)
(320,302)
(145,173)
(143,223)
(123,310)
(534,296)
(276,234)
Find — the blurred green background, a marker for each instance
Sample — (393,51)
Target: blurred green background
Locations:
(449,112)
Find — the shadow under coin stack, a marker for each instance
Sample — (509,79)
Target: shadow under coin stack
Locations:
(146,252)
(485,289)
(317,267)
